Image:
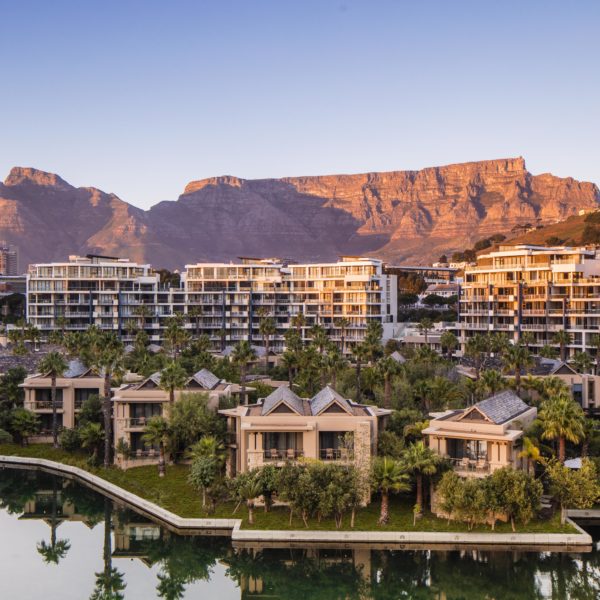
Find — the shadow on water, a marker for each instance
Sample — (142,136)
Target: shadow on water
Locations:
(318,573)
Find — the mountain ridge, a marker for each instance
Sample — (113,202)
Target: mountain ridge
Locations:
(401,216)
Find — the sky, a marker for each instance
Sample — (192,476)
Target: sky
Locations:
(140,97)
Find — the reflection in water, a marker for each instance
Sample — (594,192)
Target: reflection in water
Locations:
(359,573)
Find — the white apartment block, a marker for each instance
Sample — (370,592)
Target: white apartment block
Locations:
(111,293)
(533,289)
(224,301)
(232,297)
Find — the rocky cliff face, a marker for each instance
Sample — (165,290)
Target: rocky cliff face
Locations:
(402,216)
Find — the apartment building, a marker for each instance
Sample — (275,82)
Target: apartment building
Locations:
(9,259)
(284,427)
(114,294)
(73,388)
(534,289)
(341,297)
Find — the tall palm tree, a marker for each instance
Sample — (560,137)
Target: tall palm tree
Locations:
(343,323)
(289,360)
(517,358)
(360,352)
(388,477)
(53,365)
(594,342)
(562,338)
(91,435)
(421,461)
(334,363)
(298,322)
(157,433)
(526,339)
(387,367)
(267,328)
(172,377)
(176,337)
(475,349)
(56,550)
(563,419)
(195,313)
(582,362)
(491,382)
(319,337)
(530,452)
(425,326)
(208,446)
(243,354)
(449,343)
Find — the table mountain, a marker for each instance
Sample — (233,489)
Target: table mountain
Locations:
(401,216)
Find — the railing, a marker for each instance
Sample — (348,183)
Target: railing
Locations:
(468,465)
(44,404)
(141,454)
(335,454)
(278,455)
(137,422)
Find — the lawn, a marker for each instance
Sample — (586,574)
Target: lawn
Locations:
(173,493)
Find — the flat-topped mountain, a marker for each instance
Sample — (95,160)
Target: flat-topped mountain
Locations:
(401,216)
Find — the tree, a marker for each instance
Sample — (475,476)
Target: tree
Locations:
(195,313)
(573,488)
(172,377)
(91,436)
(319,338)
(425,326)
(562,418)
(53,365)
(373,340)
(24,423)
(343,323)
(204,472)
(421,461)
(298,323)
(582,362)
(360,352)
(176,337)
(491,382)
(530,452)
(547,351)
(387,367)
(243,354)
(157,433)
(594,342)
(526,338)
(267,328)
(449,343)
(334,362)
(475,349)
(289,359)
(56,550)
(387,477)
(209,447)
(515,359)
(248,488)
(562,338)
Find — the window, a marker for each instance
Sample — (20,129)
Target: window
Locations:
(45,395)
(81,395)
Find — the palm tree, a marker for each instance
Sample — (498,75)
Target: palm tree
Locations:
(56,550)
(475,349)
(289,360)
(491,382)
(421,461)
(157,433)
(249,490)
(209,446)
(142,312)
(594,342)
(562,418)
(532,453)
(243,354)
(343,324)
(176,337)
(562,338)
(387,367)
(360,352)
(517,358)
(425,325)
(334,363)
(53,365)
(449,343)
(582,362)
(172,377)
(195,313)
(526,338)
(388,477)
(319,338)
(91,435)
(267,328)
(589,433)
(298,322)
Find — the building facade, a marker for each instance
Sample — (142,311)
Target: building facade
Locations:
(533,289)
(9,259)
(342,297)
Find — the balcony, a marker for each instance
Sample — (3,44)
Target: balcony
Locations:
(328,454)
(47,405)
(468,466)
(276,455)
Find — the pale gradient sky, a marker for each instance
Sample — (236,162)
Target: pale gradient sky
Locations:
(140,97)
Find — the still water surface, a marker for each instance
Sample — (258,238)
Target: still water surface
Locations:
(62,541)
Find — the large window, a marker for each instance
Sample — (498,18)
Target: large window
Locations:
(81,395)
(45,396)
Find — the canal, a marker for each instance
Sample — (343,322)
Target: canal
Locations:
(59,540)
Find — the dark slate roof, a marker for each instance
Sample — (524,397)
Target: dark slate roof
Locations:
(324,398)
(154,348)
(398,357)
(502,407)
(206,379)
(282,394)
(75,369)
(258,350)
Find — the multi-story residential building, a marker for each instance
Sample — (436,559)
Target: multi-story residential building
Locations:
(284,427)
(229,299)
(135,403)
(113,294)
(75,386)
(534,289)
(9,263)
(484,437)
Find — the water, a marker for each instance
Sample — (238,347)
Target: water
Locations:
(60,540)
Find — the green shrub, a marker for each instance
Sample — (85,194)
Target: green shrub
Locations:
(5,437)
(70,440)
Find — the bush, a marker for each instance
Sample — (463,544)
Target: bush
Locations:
(5,437)
(593,217)
(591,235)
(70,440)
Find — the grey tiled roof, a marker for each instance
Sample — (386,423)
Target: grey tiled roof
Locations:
(206,379)
(154,348)
(282,394)
(502,407)
(398,357)
(75,369)
(324,398)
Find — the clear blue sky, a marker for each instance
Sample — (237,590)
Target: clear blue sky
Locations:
(140,97)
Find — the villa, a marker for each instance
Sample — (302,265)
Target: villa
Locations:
(483,437)
(75,386)
(283,426)
(134,404)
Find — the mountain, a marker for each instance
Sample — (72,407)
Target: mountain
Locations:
(401,216)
